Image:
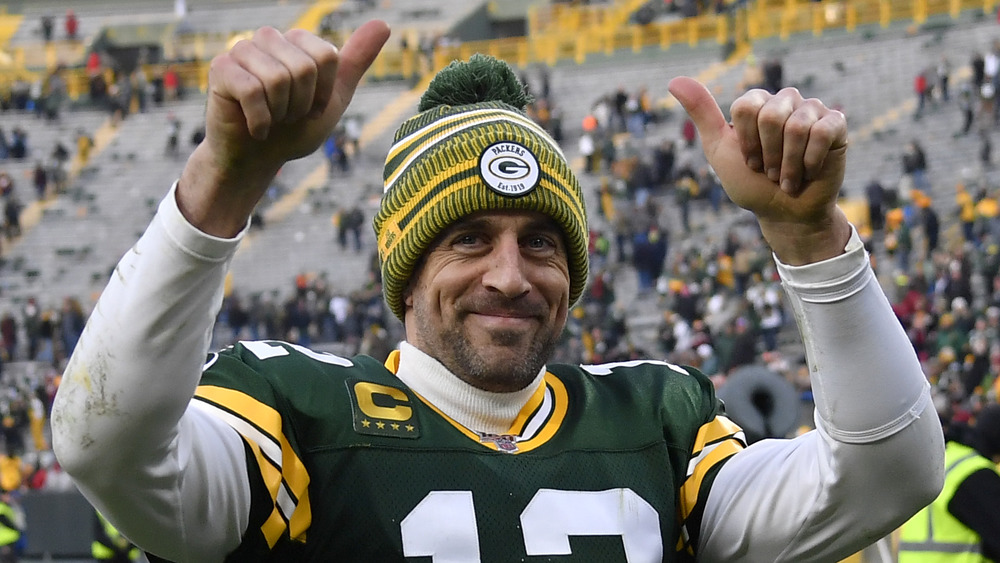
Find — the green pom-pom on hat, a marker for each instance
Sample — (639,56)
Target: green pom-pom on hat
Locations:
(480,79)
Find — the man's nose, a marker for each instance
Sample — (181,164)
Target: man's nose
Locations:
(506,269)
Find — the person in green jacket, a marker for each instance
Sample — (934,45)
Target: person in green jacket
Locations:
(963,524)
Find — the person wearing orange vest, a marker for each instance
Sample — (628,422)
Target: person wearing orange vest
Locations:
(963,524)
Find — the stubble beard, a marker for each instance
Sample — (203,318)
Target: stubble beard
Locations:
(513,372)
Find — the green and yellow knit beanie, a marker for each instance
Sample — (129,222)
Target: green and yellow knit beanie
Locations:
(472,148)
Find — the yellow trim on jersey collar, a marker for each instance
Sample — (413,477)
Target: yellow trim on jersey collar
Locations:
(540,418)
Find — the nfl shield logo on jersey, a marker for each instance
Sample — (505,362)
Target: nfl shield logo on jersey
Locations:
(504,442)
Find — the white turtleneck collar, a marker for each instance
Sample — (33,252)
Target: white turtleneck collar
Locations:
(475,409)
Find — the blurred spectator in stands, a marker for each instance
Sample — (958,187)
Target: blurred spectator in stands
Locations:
(32,318)
(46,337)
(914,163)
(664,156)
(18,143)
(898,240)
(352,134)
(6,184)
(588,150)
(171,84)
(335,151)
(12,217)
(967,108)
(4,145)
(37,413)
(618,102)
(72,319)
(8,337)
(978,65)
(922,89)
(236,315)
(985,149)
(173,135)
(72,25)
(40,180)
(93,64)
(20,93)
(58,176)
(349,224)
(98,90)
(942,73)
(116,107)
(84,145)
(773,73)
(47,25)
(966,211)
(54,94)
(140,88)
(931,223)
(649,253)
(14,422)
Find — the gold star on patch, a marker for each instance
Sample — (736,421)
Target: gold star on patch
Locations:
(366,423)
(394,426)
(409,428)
(380,425)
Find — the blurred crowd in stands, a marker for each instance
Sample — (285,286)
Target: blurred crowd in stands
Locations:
(678,272)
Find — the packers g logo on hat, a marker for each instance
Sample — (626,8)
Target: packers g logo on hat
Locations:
(509,168)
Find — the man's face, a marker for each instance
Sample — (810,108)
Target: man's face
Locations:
(490,298)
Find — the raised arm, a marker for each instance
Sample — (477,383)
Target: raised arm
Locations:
(170,477)
(877,455)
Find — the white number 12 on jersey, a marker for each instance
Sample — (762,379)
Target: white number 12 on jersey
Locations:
(443,524)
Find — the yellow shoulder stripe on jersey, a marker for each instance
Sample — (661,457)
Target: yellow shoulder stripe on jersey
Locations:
(555,415)
(716,441)
(531,407)
(275,524)
(392,362)
(720,427)
(541,418)
(284,473)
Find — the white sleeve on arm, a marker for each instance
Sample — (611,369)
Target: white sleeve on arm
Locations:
(171,478)
(877,455)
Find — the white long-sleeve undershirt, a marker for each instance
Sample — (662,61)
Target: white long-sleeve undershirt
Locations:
(173,478)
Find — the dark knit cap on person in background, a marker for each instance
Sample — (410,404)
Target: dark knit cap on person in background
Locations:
(472,148)
(986,432)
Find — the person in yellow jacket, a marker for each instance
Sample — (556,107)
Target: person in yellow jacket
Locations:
(109,545)
(10,530)
(963,524)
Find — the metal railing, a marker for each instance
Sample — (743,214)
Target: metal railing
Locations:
(566,33)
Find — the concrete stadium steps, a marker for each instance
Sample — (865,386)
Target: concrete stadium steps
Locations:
(82,233)
(302,237)
(124,183)
(875,90)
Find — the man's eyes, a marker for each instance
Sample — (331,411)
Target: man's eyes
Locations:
(534,242)
(467,239)
(540,242)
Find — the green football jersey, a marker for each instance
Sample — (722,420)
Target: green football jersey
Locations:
(605,463)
